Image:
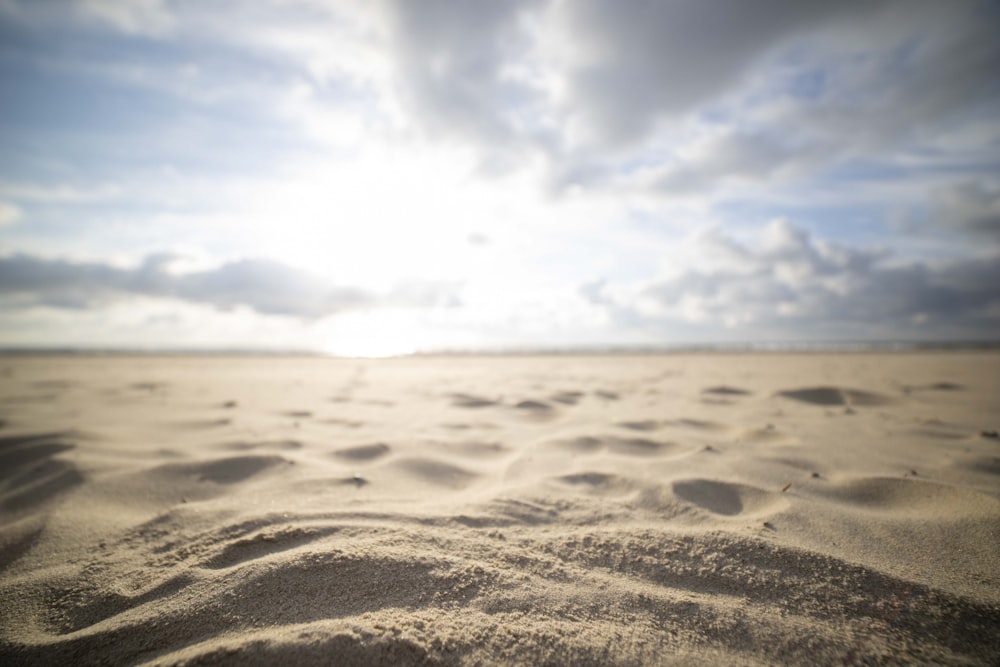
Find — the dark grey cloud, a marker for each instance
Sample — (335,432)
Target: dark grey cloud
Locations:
(267,287)
(628,63)
(849,80)
(859,78)
(732,156)
(884,83)
(793,285)
(970,206)
(640,61)
(452,61)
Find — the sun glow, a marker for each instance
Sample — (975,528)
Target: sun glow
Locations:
(376,334)
(385,218)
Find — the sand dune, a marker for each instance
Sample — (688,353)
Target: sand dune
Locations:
(716,509)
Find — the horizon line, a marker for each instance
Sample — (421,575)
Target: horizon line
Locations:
(526,350)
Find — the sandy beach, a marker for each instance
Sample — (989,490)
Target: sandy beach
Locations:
(744,509)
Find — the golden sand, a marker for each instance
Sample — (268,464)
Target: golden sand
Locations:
(672,509)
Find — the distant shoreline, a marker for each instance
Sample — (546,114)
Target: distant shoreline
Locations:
(669,349)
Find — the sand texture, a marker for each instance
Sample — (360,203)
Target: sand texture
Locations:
(566,510)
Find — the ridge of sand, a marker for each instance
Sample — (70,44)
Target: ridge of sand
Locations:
(677,509)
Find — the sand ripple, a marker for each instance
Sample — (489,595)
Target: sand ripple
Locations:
(557,511)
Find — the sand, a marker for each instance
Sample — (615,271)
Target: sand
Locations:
(671,509)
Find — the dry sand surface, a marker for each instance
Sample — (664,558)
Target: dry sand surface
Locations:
(672,509)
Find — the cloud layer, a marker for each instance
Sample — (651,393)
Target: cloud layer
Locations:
(792,285)
(559,170)
(264,286)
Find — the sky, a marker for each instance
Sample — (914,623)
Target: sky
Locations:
(375,177)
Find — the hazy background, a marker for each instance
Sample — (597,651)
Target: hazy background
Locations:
(366,177)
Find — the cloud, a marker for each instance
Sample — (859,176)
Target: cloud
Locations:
(134,17)
(595,86)
(971,206)
(785,88)
(458,70)
(267,287)
(9,214)
(163,124)
(639,62)
(725,158)
(792,285)
(59,193)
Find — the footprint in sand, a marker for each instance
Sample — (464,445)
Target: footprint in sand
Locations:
(234,469)
(616,445)
(471,401)
(582,445)
(833,396)
(346,423)
(598,483)
(475,449)
(769,433)
(696,424)
(151,387)
(640,446)
(469,426)
(727,498)
(723,390)
(197,424)
(435,472)
(363,452)
(653,425)
(936,386)
(225,471)
(537,409)
(533,405)
(283,445)
(568,397)
(721,395)
(943,432)
(643,425)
